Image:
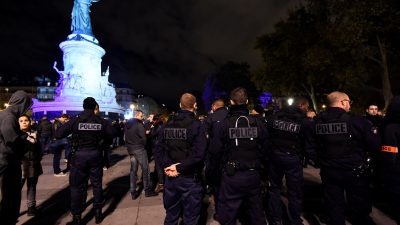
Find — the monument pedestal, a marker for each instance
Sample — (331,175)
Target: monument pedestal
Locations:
(81,78)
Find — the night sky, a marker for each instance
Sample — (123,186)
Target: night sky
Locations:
(161,48)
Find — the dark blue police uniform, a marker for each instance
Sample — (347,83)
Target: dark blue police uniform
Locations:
(241,140)
(213,175)
(389,158)
(88,130)
(183,141)
(290,137)
(342,143)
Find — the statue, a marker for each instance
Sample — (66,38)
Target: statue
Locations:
(80,17)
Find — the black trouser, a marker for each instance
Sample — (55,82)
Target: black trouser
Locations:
(290,166)
(182,197)
(241,188)
(338,182)
(86,164)
(391,180)
(31,183)
(10,193)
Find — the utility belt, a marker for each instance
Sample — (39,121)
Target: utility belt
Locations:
(365,169)
(286,151)
(196,177)
(231,167)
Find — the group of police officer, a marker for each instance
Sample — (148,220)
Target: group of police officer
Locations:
(238,148)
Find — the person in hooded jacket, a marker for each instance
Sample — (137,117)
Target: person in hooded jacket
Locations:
(12,141)
(343,142)
(88,131)
(389,157)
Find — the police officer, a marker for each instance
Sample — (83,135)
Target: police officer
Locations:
(343,141)
(218,113)
(180,152)
(87,130)
(372,114)
(241,139)
(389,160)
(290,137)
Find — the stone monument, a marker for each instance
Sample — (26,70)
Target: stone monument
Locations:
(82,76)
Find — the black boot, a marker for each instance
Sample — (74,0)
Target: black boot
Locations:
(135,195)
(32,211)
(150,194)
(76,220)
(98,216)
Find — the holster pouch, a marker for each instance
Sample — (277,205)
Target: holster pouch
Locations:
(231,168)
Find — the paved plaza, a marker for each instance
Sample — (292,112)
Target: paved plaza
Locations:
(53,199)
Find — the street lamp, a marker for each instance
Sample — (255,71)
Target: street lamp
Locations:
(132,107)
(6,105)
(290,101)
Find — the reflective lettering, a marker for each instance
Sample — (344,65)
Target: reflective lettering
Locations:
(89,126)
(175,133)
(286,126)
(390,149)
(331,128)
(243,132)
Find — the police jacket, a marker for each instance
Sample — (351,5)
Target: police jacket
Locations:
(89,130)
(219,115)
(45,128)
(11,137)
(290,131)
(182,140)
(343,139)
(241,138)
(375,120)
(55,126)
(389,157)
(135,135)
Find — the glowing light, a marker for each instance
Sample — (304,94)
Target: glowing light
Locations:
(6,105)
(290,101)
(323,106)
(265,98)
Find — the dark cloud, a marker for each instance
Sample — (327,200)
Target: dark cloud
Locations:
(162,48)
